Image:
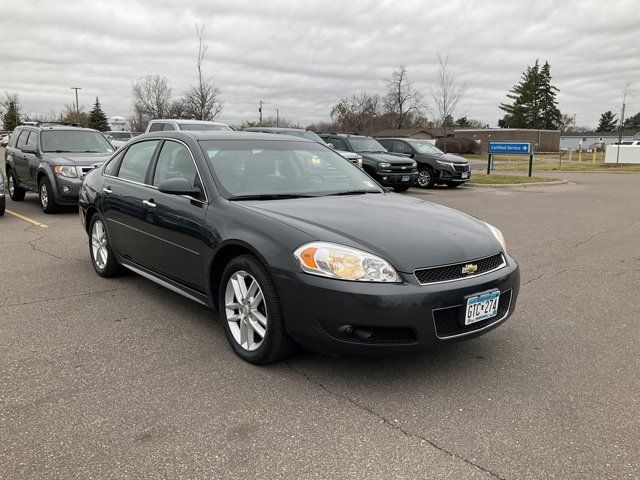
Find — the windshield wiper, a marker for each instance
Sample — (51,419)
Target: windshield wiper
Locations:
(59,151)
(351,192)
(271,196)
(92,151)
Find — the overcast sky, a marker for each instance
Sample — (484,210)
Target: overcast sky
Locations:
(302,56)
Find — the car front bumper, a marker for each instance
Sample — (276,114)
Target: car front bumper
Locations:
(446,174)
(67,190)
(391,179)
(334,316)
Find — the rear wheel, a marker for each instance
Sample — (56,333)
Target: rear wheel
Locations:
(16,193)
(102,257)
(250,312)
(401,188)
(47,202)
(426,178)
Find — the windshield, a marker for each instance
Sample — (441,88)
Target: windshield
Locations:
(250,168)
(75,141)
(365,144)
(422,146)
(205,127)
(304,134)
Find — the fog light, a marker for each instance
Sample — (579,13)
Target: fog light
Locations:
(66,189)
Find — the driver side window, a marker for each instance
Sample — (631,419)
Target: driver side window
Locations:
(401,147)
(175,161)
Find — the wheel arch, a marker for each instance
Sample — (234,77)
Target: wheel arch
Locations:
(223,255)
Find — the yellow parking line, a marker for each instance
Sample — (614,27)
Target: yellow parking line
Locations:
(26,219)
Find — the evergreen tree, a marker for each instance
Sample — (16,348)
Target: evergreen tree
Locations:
(97,118)
(633,121)
(534,101)
(463,122)
(11,115)
(608,122)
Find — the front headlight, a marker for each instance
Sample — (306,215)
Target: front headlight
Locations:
(498,234)
(383,165)
(346,263)
(66,171)
(359,160)
(445,164)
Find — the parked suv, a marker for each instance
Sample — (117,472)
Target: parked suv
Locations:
(52,159)
(298,132)
(390,170)
(168,124)
(434,166)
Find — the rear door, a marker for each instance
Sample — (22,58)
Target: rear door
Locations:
(124,194)
(19,159)
(175,223)
(31,158)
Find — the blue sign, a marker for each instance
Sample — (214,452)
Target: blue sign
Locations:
(513,148)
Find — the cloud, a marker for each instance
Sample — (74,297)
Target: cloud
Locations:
(301,57)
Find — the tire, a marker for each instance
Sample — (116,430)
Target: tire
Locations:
(426,178)
(255,329)
(402,188)
(47,200)
(99,239)
(3,205)
(452,184)
(18,192)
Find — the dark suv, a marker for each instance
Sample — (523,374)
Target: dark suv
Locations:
(390,170)
(52,159)
(434,165)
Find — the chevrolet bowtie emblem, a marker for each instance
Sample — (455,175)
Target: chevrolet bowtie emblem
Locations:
(469,269)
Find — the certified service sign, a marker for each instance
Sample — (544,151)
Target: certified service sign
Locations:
(513,148)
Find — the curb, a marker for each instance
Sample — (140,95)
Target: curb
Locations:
(506,185)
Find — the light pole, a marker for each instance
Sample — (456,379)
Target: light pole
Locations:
(77,105)
(624,99)
(277,118)
(260,112)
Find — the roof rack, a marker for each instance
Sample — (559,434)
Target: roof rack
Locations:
(41,124)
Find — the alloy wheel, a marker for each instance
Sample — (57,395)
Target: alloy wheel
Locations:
(424,177)
(44,195)
(246,310)
(99,245)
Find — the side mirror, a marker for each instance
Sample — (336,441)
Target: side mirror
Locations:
(331,145)
(178,186)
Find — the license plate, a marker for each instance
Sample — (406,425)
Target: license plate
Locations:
(465,175)
(482,307)
(406,178)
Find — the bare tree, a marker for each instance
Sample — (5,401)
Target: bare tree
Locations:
(202,101)
(447,93)
(402,100)
(356,114)
(151,96)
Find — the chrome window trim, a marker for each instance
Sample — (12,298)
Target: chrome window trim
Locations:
(189,197)
(472,331)
(502,265)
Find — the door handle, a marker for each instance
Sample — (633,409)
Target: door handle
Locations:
(149,203)
(107,190)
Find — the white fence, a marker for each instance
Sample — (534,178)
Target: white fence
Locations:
(628,154)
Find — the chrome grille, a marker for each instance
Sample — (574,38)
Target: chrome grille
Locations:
(447,273)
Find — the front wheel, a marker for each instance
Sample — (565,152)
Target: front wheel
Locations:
(47,202)
(426,178)
(16,193)
(401,188)
(250,312)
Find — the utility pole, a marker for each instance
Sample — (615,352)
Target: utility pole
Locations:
(77,105)
(277,117)
(260,112)
(624,99)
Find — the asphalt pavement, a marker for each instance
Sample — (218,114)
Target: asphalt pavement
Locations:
(121,378)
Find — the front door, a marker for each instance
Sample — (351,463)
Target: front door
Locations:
(175,223)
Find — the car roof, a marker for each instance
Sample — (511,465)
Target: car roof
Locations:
(275,129)
(181,121)
(229,135)
(345,135)
(57,127)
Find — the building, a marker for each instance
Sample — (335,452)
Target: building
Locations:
(119,124)
(427,133)
(589,140)
(542,140)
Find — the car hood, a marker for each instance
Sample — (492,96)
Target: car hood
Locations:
(386,157)
(447,157)
(406,231)
(347,154)
(78,159)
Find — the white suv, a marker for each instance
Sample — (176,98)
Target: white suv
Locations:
(165,124)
